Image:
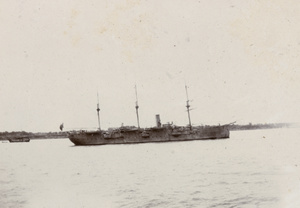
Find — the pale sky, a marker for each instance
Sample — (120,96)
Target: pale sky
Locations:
(240,60)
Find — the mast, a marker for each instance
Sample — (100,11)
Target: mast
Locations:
(98,109)
(137,107)
(188,107)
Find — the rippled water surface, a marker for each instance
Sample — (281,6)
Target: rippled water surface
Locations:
(258,168)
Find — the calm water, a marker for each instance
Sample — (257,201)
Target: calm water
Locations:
(258,168)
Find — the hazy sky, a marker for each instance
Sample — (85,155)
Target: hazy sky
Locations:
(240,60)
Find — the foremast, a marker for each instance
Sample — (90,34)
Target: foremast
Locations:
(98,110)
(137,108)
(188,107)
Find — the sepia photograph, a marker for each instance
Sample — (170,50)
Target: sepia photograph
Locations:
(143,104)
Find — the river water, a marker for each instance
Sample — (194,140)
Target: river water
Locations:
(259,168)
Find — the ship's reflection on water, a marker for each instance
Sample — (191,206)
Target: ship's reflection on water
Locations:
(251,169)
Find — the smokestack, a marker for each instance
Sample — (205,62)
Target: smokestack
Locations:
(158,123)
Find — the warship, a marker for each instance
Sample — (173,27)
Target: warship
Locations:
(159,133)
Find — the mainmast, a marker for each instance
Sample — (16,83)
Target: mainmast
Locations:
(98,109)
(188,107)
(137,107)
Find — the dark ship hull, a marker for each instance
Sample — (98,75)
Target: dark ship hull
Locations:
(155,134)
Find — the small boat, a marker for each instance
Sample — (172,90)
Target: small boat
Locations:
(19,139)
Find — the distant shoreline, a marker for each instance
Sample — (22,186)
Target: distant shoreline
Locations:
(64,135)
(40,135)
(250,126)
